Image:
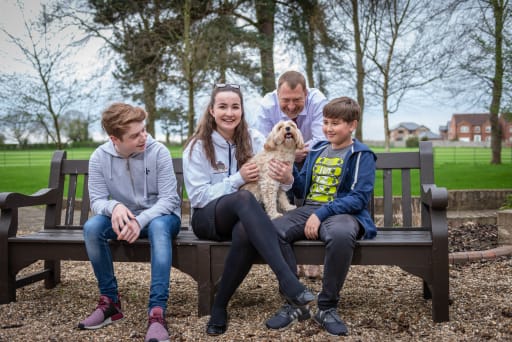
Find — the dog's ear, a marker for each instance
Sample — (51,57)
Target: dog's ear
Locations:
(270,144)
(300,140)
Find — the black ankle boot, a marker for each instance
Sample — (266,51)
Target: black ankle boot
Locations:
(217,325)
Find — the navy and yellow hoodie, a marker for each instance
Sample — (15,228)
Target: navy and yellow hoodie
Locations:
(355,189)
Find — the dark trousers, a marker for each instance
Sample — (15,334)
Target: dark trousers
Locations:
(338,232)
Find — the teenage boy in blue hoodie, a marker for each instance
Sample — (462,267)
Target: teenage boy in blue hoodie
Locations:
(132,188)
(336,182)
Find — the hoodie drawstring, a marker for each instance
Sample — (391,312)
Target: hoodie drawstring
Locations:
(145,177)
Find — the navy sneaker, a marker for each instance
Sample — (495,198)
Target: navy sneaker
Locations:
(331,322)
(288,315)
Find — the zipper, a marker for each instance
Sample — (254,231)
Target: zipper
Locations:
(131,178)
(229,158)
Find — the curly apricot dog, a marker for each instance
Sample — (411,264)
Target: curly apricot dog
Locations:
(281,144)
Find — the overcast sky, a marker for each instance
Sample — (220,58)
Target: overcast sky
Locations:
(432,111)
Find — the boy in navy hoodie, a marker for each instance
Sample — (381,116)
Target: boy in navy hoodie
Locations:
(133,194)
(336,182)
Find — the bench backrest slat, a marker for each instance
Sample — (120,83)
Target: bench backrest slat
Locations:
(387,182)
(85,208)
(71,199)
(406,198)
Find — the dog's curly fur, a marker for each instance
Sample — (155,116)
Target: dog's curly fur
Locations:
(281,144)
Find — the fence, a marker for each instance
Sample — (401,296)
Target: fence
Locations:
(442,155)
(469,155)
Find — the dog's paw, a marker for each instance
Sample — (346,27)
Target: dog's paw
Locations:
(275,215)
(288,207)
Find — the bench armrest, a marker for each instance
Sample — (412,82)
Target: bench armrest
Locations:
(11,200)
(434,197)
(435,201)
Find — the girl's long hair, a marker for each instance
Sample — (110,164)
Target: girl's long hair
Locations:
(207,125)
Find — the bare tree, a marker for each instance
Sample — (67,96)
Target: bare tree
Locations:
(51,89)
(354,18)
(18,126)
(404,52)
(485,39)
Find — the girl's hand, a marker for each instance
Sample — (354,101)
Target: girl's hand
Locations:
(250,172)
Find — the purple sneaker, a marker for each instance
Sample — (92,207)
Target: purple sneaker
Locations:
(106,312)
(157,329)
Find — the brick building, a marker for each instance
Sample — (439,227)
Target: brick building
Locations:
(477,127)
(404,130)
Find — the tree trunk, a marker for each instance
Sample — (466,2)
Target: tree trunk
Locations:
(149,88)
(386,122)
(187,67)
(359,68)
(265,11)
(190,115)
(310,53)
(497,84)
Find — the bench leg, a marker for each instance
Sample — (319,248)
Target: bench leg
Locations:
(427,294)
(53,277)
(440,295)
(205,286)
(7,286)
(204,298)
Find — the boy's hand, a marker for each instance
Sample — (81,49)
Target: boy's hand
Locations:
(122,218)
(311,227)
(130,232)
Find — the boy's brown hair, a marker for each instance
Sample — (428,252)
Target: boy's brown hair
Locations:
(343,108)
(118,116)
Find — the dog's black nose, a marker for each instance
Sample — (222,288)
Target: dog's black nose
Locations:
(287,129)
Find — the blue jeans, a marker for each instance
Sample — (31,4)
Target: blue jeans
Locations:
(161,230)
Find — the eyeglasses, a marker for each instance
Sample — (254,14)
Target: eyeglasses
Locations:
(227,85)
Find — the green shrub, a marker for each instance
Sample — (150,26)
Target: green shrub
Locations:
(508,202)
(412,141)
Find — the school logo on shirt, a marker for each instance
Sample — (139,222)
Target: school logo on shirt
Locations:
(220,167)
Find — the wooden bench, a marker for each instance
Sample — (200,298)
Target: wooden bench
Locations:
(420,249)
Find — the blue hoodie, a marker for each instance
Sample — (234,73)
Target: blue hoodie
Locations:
(145,182)
(355,189)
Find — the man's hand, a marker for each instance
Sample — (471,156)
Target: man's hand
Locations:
(311,227)
(124,224)
(300,155)
(281,171)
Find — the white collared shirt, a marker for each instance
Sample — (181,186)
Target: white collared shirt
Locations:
(309,120)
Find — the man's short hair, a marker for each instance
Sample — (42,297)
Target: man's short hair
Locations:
(343,108)
(118,116)
(293,79)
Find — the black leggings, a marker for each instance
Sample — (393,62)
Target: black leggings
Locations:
(240,217)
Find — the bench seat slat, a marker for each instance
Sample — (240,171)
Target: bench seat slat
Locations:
(412,237)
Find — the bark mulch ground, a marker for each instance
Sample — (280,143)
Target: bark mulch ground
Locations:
(378,303)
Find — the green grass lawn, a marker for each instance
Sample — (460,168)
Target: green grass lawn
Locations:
(27,171)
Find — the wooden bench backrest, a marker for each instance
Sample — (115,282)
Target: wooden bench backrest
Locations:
(403,163)
(71,176)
